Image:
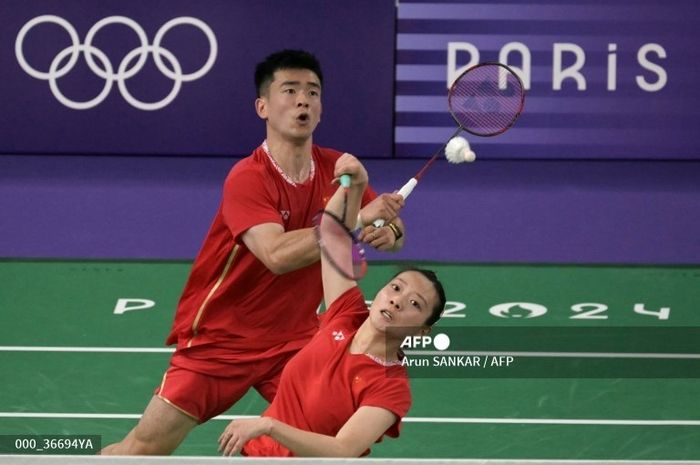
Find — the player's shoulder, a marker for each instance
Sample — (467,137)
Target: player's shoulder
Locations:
(349,305)
(252,166)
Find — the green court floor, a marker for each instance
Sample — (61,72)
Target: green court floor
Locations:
(75,360)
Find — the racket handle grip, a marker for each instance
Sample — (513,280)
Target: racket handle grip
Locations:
(407,188)
(404,192)
(345,180)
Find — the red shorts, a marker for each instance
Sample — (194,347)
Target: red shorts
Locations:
(203,396)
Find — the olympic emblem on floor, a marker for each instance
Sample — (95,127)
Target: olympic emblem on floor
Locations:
(124,70)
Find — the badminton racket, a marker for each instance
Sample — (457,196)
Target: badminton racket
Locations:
(485,101)
(339,245)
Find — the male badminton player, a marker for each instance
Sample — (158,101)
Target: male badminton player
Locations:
(250,301)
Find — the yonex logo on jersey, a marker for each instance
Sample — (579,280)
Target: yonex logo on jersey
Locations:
(105,69)
(338,335)
(285,214)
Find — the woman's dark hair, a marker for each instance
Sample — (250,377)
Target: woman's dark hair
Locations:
(284,59)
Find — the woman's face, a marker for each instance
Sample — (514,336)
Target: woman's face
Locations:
(404,304)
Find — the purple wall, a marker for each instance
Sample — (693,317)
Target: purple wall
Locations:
(489,211)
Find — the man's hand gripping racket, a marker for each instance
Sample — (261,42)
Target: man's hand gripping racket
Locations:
(485,100)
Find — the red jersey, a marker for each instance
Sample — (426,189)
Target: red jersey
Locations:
(232,306)
(323,385)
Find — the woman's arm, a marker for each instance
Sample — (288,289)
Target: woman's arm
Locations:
(357,435)
(334,283)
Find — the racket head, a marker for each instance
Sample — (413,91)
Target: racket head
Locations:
(486,99)
(340,246)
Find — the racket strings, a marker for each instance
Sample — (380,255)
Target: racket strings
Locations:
(341,248)
(486,100)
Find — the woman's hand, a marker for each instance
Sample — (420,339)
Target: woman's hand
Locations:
(239,432)
(348,164)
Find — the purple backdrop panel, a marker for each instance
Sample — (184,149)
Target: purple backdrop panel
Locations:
(500,211)
(176,76)
(614,79)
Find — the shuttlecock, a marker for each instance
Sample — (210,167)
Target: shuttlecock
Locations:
(457,150)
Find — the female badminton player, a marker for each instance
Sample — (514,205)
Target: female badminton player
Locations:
(347,388)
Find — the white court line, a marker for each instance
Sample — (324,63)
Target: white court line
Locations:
(669,355)
(139,350)
(510,421)
(195,460)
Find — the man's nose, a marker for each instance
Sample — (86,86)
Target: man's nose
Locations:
(302,99)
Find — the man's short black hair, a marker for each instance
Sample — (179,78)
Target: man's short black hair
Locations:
(284,59)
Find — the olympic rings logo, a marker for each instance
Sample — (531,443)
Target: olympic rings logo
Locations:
(124,71)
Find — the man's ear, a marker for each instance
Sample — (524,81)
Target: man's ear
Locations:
(261,107)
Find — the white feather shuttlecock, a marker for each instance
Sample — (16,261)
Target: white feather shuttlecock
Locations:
(457,150)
